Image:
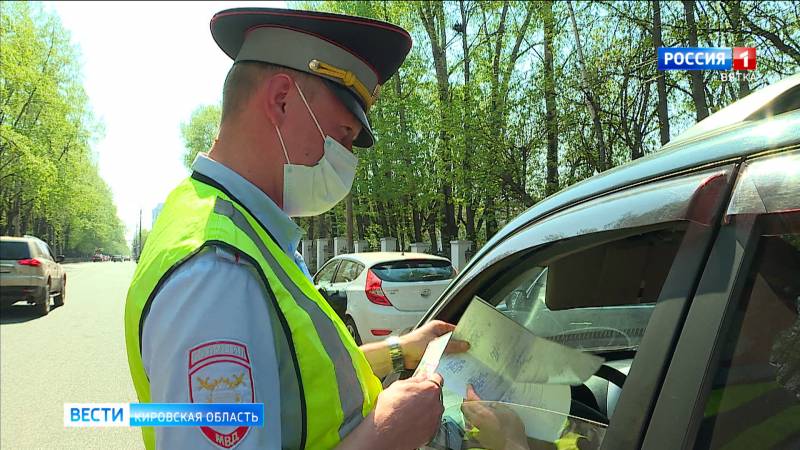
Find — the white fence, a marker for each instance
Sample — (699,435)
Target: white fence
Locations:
(317,252)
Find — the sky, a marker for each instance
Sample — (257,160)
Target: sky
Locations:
(146,67)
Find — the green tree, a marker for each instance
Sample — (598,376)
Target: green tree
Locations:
(49,183)
(495,107)
(200,131)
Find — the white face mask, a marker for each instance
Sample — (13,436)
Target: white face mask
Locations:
(313,190)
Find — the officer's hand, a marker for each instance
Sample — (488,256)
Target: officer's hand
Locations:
(415,342)
(408,413)
(499,427)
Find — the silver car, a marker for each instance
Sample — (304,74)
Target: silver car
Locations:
(29,272)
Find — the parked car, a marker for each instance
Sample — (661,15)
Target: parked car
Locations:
(117,258)
(378,294)
(97,257)
(680,269)
(30,272)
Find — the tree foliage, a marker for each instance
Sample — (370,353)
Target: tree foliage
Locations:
(49,182)
(200,131)
(501,103)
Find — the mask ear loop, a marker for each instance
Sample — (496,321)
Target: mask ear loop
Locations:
(309,110)
(280,138)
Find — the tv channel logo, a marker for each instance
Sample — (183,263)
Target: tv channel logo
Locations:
(744,58)
(706,58)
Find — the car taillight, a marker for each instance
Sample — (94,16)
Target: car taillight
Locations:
(29,262)
(374,291)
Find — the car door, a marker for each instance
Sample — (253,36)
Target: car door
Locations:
(734,381)
(621,270)
(340,291)
(57,270)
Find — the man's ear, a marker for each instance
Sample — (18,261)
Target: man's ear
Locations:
(274,96)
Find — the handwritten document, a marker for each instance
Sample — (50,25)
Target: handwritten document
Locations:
(508,363)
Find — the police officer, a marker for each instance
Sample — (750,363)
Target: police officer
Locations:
(221,307)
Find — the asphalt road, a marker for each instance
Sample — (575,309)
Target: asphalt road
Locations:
(74,354)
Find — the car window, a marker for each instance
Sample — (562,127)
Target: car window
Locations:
(325,275)
(348,271)
(412,270)
(754,399)
(14,250)
(48,251)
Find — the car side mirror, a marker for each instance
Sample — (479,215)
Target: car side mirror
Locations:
(60,258)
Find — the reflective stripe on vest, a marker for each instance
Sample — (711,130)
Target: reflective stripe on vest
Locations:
(335,383)
(346,377)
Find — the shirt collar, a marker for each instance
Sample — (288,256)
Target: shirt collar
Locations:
(281,226)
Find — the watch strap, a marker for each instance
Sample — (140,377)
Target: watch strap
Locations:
(396,353)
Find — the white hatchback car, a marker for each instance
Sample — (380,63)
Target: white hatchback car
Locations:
(378,294)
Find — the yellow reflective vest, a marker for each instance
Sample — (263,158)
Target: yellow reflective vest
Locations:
(337,386)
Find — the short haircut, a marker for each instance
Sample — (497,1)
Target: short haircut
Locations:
(246,76)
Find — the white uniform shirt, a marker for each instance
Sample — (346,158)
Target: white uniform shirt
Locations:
(209,333)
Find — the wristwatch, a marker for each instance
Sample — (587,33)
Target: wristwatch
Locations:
(396,354)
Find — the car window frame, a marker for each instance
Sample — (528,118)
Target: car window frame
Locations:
(679,410)
(629,420)
(337,262)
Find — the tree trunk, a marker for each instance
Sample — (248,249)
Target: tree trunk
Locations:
(348,203)
(467,169)
(736,23)
(591,104)
(361,219)
(382,220)
(661,82)
(311,225)
(433,18)
(491,218)
(695,76)
(416,218)
(551,121)
(432,232)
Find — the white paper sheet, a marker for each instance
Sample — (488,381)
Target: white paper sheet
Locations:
(510,349)
(508,363)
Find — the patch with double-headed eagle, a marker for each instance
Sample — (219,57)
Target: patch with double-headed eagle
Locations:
(219,372)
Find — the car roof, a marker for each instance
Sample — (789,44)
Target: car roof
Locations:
(731,141)
(369,259)
(17,239)
(772,100)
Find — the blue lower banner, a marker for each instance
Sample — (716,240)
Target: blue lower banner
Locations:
(163,414)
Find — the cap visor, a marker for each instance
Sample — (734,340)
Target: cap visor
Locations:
(365,139)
